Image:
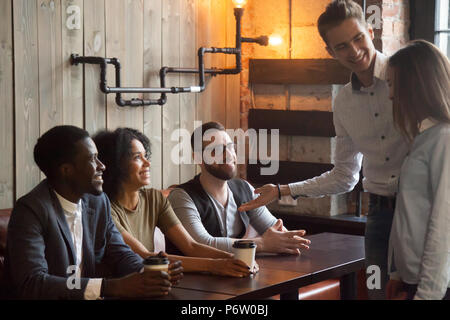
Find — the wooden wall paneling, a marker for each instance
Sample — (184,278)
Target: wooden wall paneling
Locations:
(171,111)
(311,149)
(72,42)
(298,71)
(6,110)
(288,172)
(94,45)
(232,90)
(152,65)
(422,20)
(124,40)
(270,96)
(26,78)
(188,58)
(299,123)
(204,39)
(50,64)
(218,83)
(313,97)
(199,37)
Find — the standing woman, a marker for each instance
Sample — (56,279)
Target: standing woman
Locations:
(136,210)
(419,245)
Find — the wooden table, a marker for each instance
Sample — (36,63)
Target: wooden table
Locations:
(331,256)
(189,294)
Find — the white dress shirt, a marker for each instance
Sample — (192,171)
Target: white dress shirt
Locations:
(419,244)
(72,212)
(365,134)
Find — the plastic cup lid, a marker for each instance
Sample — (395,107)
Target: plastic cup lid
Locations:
(154,261)
(244,244)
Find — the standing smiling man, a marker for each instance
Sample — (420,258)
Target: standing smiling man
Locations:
(365,133)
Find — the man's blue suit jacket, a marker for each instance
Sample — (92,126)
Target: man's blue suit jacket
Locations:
(40,249)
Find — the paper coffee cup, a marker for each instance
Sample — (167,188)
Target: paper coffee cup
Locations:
(156,263)
(244,250)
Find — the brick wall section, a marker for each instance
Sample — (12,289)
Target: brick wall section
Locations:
(396,22)
(394,31)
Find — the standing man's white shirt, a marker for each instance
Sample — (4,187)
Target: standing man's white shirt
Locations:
(72,212)
(365,134)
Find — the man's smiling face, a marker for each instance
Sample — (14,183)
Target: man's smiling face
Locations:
(351,44)
(87,170)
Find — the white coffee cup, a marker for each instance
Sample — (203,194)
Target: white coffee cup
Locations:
(245,250)
(156,263)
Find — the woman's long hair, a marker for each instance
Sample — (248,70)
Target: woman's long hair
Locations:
(421,86)
(114,150)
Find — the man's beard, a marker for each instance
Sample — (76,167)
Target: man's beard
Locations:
(219,173)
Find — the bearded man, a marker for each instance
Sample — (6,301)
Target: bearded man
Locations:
(208,204)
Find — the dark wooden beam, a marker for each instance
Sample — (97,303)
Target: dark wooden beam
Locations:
(422,14)
(298,71)
(345,223)
(294,123)
(288,172)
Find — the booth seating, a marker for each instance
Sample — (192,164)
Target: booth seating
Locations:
(324,290)
(4,219)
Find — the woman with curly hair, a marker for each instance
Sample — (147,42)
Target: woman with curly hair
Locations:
(419,245)
(137,211)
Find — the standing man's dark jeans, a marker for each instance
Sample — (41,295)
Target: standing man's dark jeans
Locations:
(378,228)
(411,290)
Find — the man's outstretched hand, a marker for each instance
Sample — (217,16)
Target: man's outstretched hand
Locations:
(278,240)
(267,194)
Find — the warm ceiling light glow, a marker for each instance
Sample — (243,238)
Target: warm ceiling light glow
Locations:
(239,3)
(275,40)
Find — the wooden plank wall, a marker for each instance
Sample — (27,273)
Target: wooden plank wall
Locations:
(188,11)
(6,109)
(40,89)
(152,63)
(94,45)
(26,95)
(171,111)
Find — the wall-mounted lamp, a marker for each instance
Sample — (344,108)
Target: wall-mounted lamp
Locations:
(275,40)
(118,90)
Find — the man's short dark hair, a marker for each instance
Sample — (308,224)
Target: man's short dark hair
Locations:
(56,147)
(200,131)
(336,12)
